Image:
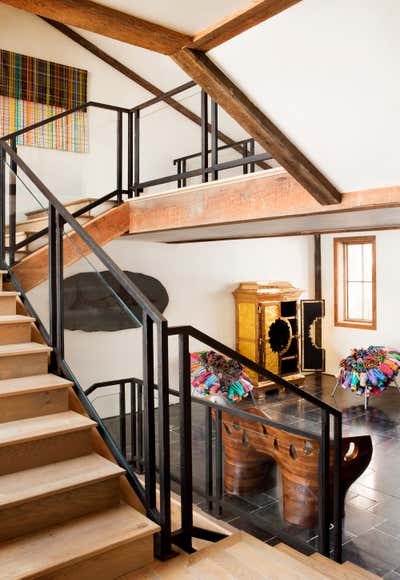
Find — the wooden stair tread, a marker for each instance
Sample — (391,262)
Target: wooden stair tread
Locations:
(16,488)
(44,426)
(9,293)
(359,572)
(34,383)
(56,547)
(23,348)
(15,319)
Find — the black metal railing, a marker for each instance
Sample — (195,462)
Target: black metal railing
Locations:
(130,420)
(154,325)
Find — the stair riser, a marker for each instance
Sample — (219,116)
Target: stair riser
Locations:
(107,565)
(36,515)
(24,365)
(19,456)
(13,408)
(8,305)
(15,333)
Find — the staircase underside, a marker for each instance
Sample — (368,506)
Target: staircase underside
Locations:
(264,204)
(33,270)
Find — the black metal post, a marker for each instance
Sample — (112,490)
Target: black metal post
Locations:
(119,156)
(130,155)
(324,487)
(185,415)
(184,180)
(133,425)
(252,152)
(122,419)
(208,433)
(204,135)
(12,206)
(56,287)
(219,476)
(139,428)
(137,154)
(214,137)
(338,498)
(149,433)
(244,155)
(163,439)
(179,170)
(2,208)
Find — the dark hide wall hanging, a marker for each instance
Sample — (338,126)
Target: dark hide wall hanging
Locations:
(91,305)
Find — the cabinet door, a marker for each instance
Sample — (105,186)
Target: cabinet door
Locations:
(269,313)
(247,334)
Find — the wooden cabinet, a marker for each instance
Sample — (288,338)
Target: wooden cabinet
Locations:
(268,331)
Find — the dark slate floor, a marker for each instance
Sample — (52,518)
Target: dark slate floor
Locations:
(372,523)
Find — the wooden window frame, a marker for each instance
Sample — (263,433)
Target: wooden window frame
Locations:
(340,282)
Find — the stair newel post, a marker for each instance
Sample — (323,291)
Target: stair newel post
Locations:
(338,496)
(130,155)
(324,485)
(185,421)
(12,205)
(2,207)
(204,136)
(56,287)
(164,439)
(119,155)
(214,138)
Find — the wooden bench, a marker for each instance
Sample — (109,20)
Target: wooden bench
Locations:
(250,448)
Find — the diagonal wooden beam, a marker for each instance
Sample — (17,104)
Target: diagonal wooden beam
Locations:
(206,74)
(108,22)
(141,81)
(258,11)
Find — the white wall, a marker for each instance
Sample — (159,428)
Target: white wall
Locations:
(338,341)
(199,279)
(326,72)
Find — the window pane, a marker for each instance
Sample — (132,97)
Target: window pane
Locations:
(367,301)
(367,257)
(355,300)
(355,262)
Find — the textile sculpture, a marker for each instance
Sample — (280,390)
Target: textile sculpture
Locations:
(215,374)
(32,89)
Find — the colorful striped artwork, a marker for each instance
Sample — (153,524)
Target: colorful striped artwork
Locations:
(33,89)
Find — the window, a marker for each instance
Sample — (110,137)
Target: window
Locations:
(355,282)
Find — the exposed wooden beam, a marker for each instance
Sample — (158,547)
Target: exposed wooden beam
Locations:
(108,22)
(139,80)
(258,11)
(206,74)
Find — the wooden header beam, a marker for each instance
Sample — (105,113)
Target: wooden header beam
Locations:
(206,74)
(108,22)
(220,32)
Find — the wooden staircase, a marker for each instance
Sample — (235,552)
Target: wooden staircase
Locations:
(241,556)
(66,508)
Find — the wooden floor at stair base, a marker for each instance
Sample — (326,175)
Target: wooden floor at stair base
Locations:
(33,270)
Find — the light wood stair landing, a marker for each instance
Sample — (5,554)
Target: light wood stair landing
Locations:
(66,509)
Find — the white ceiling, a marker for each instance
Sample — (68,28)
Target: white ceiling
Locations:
(189,16)
(327,73)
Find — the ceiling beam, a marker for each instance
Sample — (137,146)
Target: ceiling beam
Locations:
(141,81)
(108,22)
(206,74)
(258,11)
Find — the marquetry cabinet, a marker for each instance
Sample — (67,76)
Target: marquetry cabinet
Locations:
(268,330)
